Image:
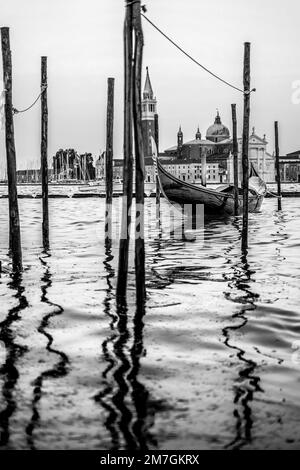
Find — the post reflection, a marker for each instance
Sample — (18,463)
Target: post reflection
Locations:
(129,410)
(60,368)
(248,382)
(9,369)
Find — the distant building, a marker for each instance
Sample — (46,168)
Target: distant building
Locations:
(118,168)
(263,162)
(290,167)
(186,171)
(217,146)
(149,109)
(69,165)
(29,176)
(100,168)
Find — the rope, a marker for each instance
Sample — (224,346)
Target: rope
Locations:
(273,194)
(17,111)
(194,60)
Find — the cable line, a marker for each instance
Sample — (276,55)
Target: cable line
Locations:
(191,58)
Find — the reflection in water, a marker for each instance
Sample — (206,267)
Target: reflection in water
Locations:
(192,273)
(247,383)
(103,396)
(156,280)
(130,413)
(240,292)
(9,370)
(144,407)
(60,368)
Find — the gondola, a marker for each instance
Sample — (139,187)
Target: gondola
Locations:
(219,201)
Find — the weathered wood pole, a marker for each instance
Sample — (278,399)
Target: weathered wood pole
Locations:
(14,220)
(235,160)
(203,167)
(44,153)
(277,167)
(139,156)
(128,157)
(245,148)
(156,138)
(109,159)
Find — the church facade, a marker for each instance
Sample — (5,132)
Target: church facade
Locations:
(290,167)
(263,162)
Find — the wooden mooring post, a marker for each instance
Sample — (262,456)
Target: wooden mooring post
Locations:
(245,148)
(14,220)
(277,167)
(44,152)
(235,160)
(139,156)
(128,157)
(132,117)
(109,159)
(156,138)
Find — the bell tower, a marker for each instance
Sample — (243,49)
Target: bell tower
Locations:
(179,142)
(198,134)
(149,109)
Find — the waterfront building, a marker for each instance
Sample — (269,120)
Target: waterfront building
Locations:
(117,168)
(186,156)
(290,167)
(186,171)
(69,165)
(216,145)
(261,159)
(30,176)
(100,167)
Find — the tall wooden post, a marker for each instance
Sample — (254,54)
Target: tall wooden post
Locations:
(235,160)
(139,157)
(128,157)
(156,138)
(277,167)
(245,150)
(44,153)
(14,220)
(109,159)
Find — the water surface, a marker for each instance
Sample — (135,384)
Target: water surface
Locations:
(214,363)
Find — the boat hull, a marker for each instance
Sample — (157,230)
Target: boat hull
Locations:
(214,201)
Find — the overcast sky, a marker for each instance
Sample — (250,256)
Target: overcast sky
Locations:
(83,42)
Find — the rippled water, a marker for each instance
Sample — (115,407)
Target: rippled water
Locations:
(214,362)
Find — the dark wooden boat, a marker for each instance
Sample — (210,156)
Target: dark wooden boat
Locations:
(215,201)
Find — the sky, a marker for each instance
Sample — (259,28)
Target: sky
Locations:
(84,44)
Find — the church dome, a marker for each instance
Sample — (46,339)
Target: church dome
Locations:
(217,132)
